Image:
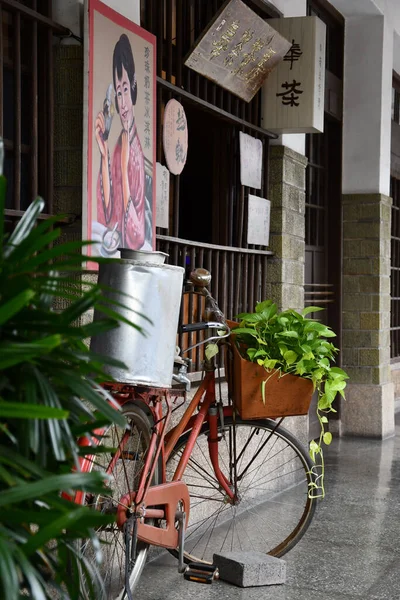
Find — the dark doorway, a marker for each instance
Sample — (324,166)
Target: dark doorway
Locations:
(323,257)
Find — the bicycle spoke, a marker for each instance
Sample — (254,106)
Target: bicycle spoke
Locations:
(201,469)
(278,476)
(212,526)
(226,536)
(271,509)
(202,521)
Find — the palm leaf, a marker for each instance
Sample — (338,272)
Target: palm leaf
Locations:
(37,489)
(18,410)
(24,227)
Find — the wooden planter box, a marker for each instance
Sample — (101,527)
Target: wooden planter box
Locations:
(285,395)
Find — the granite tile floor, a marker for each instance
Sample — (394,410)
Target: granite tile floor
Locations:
(351,550)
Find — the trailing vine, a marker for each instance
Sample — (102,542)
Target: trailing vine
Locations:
(291,342)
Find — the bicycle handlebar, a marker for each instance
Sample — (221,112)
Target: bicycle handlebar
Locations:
(208,325)
(190,327)
(200,278)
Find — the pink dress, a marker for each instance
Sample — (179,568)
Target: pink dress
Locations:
(130,222)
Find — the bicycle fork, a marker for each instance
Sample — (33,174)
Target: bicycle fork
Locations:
(213,441)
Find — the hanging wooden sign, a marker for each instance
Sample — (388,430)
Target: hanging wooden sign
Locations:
(293,98)
(238,50)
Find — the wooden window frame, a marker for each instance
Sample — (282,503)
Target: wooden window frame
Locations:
(29,137)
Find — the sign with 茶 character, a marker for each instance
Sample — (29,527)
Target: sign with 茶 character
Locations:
(238,50)
(293,97)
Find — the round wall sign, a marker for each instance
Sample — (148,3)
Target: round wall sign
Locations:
(175,136)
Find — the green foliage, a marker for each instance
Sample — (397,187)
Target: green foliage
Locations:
(293,343)
(49,395)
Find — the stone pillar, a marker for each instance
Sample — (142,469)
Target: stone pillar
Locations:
(285,283)
(367,105)
(369,406)
(285,273)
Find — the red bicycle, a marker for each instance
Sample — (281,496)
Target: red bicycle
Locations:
(212,482)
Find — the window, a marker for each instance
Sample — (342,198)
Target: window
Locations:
(208,203)
(334,34)
(26,101)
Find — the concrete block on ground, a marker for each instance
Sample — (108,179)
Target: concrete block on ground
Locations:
(248,569)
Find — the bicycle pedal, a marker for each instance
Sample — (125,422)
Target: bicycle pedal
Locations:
(200,573)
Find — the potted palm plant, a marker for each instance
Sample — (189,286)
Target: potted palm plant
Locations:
(49,396)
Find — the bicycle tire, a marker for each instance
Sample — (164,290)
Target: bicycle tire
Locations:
(112,586)
(282,450)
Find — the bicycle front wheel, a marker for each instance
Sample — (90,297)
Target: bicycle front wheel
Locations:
(132,445)
(270,472)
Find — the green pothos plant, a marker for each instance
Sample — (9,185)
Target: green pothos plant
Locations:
(291,342)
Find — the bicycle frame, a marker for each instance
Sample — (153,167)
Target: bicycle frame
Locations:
(164,498)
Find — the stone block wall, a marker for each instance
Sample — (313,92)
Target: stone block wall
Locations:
(366,315)
(287,194)
(396,384)
(285,273)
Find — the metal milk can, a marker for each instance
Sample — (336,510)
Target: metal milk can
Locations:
(147,286)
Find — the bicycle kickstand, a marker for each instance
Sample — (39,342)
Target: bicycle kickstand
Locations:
(181,518)
(130,534)
(199,572)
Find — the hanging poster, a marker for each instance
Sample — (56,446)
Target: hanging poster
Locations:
(175,136)
(119,148)
(162,203)
(238,50)
(251,155)
(258,222)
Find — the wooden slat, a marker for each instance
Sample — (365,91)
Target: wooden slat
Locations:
(50,123)
(175,240)
(1,72)
(29,13)
(17,214)
(238,281)
(179,43)
(169,47)
(207,106)
(34,141)
(17,109)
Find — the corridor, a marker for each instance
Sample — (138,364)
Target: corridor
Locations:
(351,550)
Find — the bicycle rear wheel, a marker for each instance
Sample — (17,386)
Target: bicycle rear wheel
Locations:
(272,471)
(125,475)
